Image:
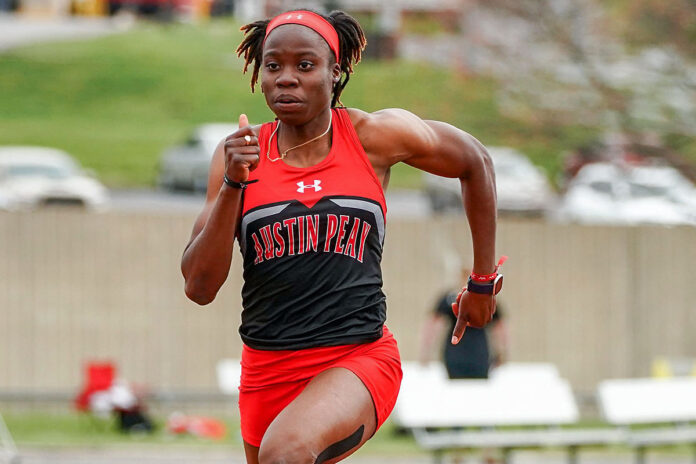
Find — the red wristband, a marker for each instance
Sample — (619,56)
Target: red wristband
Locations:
(488,277)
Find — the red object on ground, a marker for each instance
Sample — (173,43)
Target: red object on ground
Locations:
(99,376)
(199,426)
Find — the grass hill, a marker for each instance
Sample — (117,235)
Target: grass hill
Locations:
(116,102)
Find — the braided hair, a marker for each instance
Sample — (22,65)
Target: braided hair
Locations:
(351,39)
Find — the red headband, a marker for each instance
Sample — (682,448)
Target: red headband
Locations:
(310,20)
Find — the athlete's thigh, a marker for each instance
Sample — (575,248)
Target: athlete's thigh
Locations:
(332,417)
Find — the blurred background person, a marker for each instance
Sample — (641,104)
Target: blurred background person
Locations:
(479,349)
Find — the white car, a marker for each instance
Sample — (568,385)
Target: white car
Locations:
(603,193)
(31,177)
(5,202)
(522,188)
(186,166)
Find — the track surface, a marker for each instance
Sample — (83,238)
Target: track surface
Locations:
(167,455)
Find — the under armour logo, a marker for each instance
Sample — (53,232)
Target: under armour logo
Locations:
(316,186)
(297,16)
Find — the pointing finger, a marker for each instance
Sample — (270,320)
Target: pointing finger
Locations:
(459,329)
(243,120)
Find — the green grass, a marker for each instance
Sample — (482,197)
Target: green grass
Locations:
(74,429)
(116,102)
(79,430)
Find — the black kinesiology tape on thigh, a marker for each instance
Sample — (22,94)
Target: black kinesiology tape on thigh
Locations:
(341,447)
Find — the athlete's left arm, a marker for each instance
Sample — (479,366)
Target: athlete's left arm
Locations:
(394,135)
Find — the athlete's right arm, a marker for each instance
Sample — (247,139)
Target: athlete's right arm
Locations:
(208,255)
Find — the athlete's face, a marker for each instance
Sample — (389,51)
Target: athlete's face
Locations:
(299,71)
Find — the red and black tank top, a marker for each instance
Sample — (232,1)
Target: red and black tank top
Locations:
(312,244)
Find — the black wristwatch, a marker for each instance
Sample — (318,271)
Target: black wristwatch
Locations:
(492,287)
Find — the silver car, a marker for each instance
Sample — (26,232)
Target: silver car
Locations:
(186,166)
(31,177)
(605,193)
(522,188)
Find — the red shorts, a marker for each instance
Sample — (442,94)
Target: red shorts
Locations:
(272,379)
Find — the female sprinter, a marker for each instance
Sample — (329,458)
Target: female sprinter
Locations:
(304,197)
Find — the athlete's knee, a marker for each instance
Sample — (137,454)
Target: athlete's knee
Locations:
(289,449)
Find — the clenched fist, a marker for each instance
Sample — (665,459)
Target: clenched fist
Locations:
(241,151)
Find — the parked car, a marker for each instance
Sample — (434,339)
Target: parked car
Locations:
(31,177)
(5,202)
(186,166)
(604,193)
(522,188)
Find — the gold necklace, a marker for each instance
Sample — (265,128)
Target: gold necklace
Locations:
(285,153)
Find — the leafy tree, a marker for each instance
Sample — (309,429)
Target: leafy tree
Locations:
(571,64)
(646,23)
